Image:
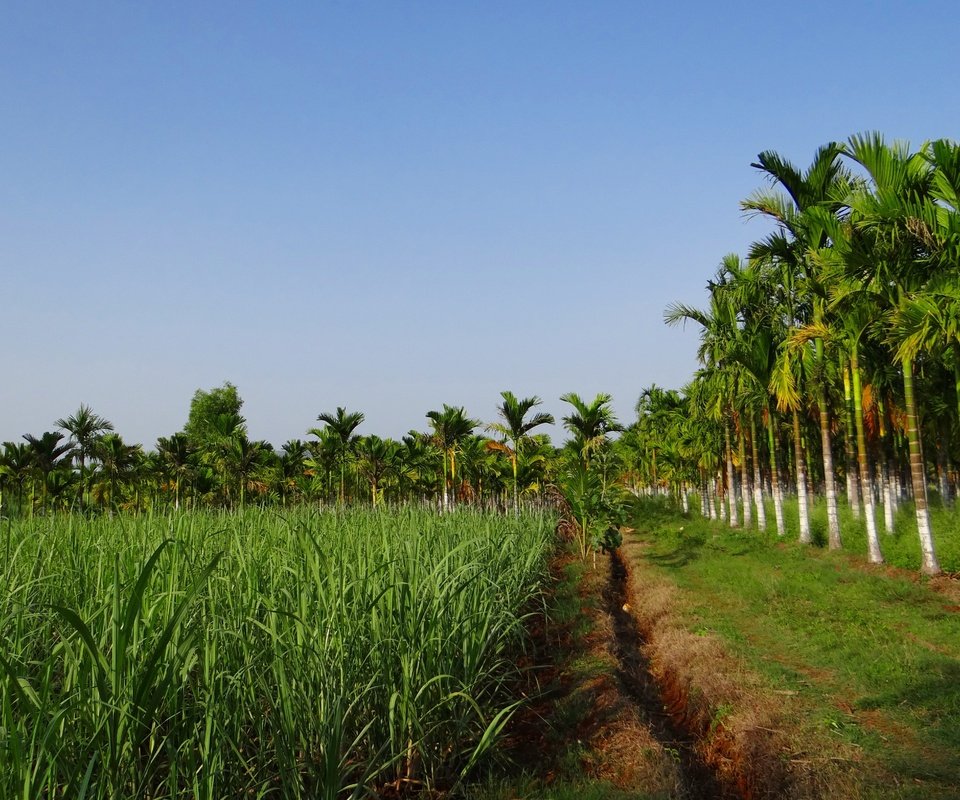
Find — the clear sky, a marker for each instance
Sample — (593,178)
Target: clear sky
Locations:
(394,205)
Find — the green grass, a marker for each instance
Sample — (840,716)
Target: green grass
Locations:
(900,548)
(257,655)
(874,657)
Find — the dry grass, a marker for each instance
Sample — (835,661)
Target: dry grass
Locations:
(745,731)
(619,746)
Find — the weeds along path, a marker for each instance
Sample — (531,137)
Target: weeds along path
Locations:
(697,779)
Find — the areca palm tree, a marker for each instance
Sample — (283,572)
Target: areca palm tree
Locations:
(85,429)
(888,213)
(16,466)
(451,427)
(117,460)
(46,455)
(341,425)
(292,464)
(803,206)
(243,459)
(718,340)
(590,423)
(516,428)
(176,459)
(376,458)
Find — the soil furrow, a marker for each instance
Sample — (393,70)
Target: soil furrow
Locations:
(698,779)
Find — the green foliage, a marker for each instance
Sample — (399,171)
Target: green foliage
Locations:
(594,511)
(207,655)
(831,632)
(214,416)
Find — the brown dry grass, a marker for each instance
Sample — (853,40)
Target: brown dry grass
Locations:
(744,731)
(618,744)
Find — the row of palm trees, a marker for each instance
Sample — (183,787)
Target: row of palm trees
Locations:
(830,356)
(86,465)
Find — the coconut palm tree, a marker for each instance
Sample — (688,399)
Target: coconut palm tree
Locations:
(515,430)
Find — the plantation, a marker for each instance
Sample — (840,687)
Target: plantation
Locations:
(344,616)
(854,666)
(217,655)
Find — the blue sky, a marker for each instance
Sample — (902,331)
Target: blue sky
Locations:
(394,205)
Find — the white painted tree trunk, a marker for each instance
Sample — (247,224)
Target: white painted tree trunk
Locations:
(804,510)
(745,489)
(887,490)
(830,484)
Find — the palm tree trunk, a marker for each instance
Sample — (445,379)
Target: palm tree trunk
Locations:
(775,476)
(802,505)
(446,500)
(886,490)
(875,555)
(731,491)
(757,488)
(744,478)
(918,478)
(830,486)
(704,508)
(853,480)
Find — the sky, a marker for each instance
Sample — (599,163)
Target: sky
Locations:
(389,206)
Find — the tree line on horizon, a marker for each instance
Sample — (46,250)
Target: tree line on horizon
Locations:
(85,465)
(829,355)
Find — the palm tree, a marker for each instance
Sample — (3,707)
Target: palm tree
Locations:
(590,423)
(889,214)
(450,427)
(717,344)
(341,426)
(117,460)
(292,463)
(16,464)
(242,461)
(176,459)
(804,215)
(376,458)
(85,429)
(47,454)
(515,430)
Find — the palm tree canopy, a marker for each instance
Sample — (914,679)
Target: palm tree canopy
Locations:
(590,422)
(47,452)
(85,427)
(451,425)
(516,426)
(342,424)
